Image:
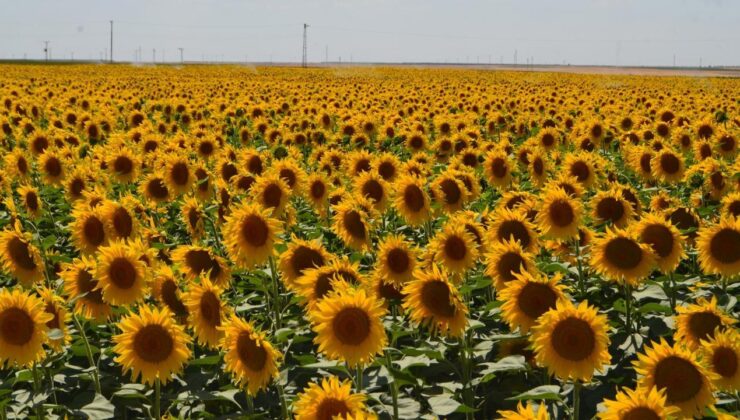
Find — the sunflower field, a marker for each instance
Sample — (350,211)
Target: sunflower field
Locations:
(362,243)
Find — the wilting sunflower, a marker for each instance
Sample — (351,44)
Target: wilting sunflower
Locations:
(81,285)
(454,248)
(700,321)
(640,403)
(195,261)
(151,345)
(20,258)
(667,166)
(317,283)
(349,326)
(560,215)
(166,290)
(396,260)
(513,225)
(249,357)
(498,168)
(677,371)
(609,206)
(571,341)
(719,248)
(618,256)
(250,233)
(411,200)
(54,306)
(433,301)
(528,297)
(31,200)
(328,400)
(504,260)
(351,225)
(121,274)
(271,192)
(665,240)
(300,256)
(721,354)
(23,327)
(525,412)
(206,311)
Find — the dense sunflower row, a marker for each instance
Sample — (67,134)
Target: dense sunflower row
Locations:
(363,243)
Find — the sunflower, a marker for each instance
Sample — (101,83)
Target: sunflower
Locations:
(618,256)
(124,165)
(433,301)
(538,168)
(23,328)
(54,306)
(121,219)
(676,371)
(52,166)
(17,164)
(81,286)
(89,229)
(328,400)
(580,165)
(290,172)
(121,274)
(571,341)
(195,261)
(512,225)
(351,225)
(731,205)
(525,412)
(154,188)
(31,200)
(151,345)
(349,326)
(317,192)
(721,354)
(609,206)
(166,290)
(504,260)
(560,215)
(271,192)
(206,311)
(359,161)
(374,188)
(667,166)
(664,239)
(193,217)
(250,233)
(20,258)
(178,176)
(498,168)
(203,188)
(249,357)
(719,248)
(700,321)
(300,256)
(450,192)
(411,200)
(528,297)
(396,260)
(638,403)
(454,248)
(317,283)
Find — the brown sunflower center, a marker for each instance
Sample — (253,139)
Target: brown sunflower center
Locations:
(413,196)
(87,284)
(516,230)
(703,324)
(580,170)
(670,163)
(373,190)
(561,213)
(123,223)
(387,170)
(52,310)
(210,309)
(354,224)
(679,377)
(451,191)
(725,246)
(398,260)
(498,167)
(304,258)
(255,231)
(330,408)
(251,354)
(255,165)
(351,326)
(19,253)
(535,299)
(122,273)
(318,189)
(193,217)
(640,413)
(272,196)
(435,296)
(16,326)
(660,239)
(94,231)
(123,165)
(455,248)
(724,361)
(200,261)
(153,343)
(170,298)
(509,264)
(288,176)
(180,173)
(623,253)
(157,189)
(610,209)
(53,167)
(573,339)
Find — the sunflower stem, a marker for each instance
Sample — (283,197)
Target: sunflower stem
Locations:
(576,399)
(51,386)
(465,365)
(283,404)
(275,293)
(672,291)
(358,377)
(250,402)
(394,385)
(88,352)
(39,407)
(628,314)
(581,281)
(157,396)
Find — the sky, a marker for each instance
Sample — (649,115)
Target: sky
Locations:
(578,32)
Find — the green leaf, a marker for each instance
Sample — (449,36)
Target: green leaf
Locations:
(206,361)
(544,392)
(55,334)
(443,405)
(99,408)
(507,364)
(655,307)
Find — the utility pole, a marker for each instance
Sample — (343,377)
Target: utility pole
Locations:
(154,55)
(674,60)
(182,60)
(46,50)
(326,54)
(304,62)
(111,41)
(515,53)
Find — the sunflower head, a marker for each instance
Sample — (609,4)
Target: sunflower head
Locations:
(620,257)
(300,256)
(432,300)
(250,233)
(206,311)
(640,403)
(121,274)
(559,216)
(719,248)
(328,400)
(504,260)
(412,201)
(700,321)
(528,297)
(195,261)
(721,354)
(23,328)
(21,258)
(250,358)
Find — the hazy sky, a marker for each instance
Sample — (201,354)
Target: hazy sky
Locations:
(624,32)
